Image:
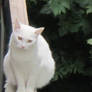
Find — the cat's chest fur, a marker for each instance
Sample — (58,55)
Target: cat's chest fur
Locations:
(24,56)
(25,59)
(26,62)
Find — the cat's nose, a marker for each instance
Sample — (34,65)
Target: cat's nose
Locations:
(22,47)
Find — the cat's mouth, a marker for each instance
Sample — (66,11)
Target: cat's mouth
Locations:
(22,47)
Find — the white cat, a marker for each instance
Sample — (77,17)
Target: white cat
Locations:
(29,64)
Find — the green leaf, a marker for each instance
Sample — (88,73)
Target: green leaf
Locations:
(89,9)
(46,10)
(89,41)
(59,6)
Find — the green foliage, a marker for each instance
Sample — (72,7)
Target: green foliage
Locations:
(89,9)
(56,6)
(87,4)
(89,41)
(68,26)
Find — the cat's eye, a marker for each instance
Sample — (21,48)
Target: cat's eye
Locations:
(19,38)
(29,41)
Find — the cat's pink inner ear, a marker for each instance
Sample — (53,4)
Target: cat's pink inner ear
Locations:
(39,30)
(16,25)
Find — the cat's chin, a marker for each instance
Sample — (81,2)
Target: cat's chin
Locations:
(22,48)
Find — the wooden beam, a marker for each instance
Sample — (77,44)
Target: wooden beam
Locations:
(0,2)
(18,11)
(1,46)
(14,9)
(0,7)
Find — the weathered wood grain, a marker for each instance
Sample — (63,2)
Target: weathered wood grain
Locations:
(18,11)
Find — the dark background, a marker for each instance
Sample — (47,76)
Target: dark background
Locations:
(67,32)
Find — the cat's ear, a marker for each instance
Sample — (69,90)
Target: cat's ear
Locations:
(39,30)
(16,25)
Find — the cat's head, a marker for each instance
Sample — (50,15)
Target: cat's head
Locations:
(25,36)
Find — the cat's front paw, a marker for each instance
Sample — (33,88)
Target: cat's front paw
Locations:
(21,90)
(30,90)
(35,90)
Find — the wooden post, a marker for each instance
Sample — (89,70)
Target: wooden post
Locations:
(1,46)
(15,9)
(18,11)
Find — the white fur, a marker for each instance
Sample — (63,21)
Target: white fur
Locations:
(27,68)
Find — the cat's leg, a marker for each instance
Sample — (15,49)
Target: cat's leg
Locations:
(21,87)
(35,90)
(9,74)
(9,87)
(13,76)
(20,81)
(20,84)
(8,71)
(30,86)
(30,89)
